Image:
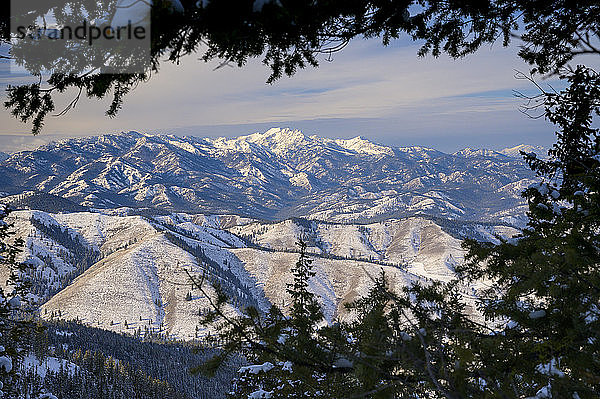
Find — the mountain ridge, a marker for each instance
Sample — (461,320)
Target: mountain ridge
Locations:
(137,277)
(274,175)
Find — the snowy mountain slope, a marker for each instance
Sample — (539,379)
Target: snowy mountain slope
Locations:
(418,244)
(337,281)
(146,287)
(274,175)
(108,234)
(62,246)
(515,152)
(476,153)
(142,287)
(137,279)
(56,252)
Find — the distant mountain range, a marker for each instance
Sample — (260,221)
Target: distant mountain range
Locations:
(274,175)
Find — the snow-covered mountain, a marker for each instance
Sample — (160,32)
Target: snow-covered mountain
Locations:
(115,224)
(129,273)
(273,175)
(515,152)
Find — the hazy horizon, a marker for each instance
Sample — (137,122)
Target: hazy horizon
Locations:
(16,143)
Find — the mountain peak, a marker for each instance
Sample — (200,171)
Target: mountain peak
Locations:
(515,152)
(279,135)
(478,152)
(278,140)
(361,145)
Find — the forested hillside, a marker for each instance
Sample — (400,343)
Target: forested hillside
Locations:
(91,363)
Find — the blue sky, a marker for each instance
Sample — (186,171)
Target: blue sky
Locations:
(385,94)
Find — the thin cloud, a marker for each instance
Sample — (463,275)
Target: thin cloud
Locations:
(365,82)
